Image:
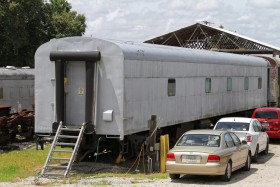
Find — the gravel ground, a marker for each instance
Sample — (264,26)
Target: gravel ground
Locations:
(263,173)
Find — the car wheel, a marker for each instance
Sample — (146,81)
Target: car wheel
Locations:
(174,176)
(266,149)
(247,166)
(256,156)
(228,171)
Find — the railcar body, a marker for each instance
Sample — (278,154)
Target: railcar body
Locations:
(116,86)
(17,88)
(16,103)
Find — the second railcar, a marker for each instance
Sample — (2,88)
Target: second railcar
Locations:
(17,88)
(116,86)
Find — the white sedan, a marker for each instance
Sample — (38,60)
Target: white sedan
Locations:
(248,129)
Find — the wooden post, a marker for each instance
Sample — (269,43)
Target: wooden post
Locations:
(152,140)
(152,133)
(164,148)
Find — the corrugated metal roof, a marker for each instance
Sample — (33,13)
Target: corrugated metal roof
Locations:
(202,36)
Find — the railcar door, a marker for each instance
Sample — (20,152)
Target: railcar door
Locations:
(74,73)
(75,92)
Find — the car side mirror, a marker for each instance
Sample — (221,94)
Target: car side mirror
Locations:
(243,142)
(264,129)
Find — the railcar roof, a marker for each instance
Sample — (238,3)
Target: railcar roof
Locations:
(153,52)
(16,72)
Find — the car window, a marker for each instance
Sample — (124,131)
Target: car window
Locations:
(266,114)
(259,126)
(233,126)
(235,139)
(256,127)
(199,140)
(229,141)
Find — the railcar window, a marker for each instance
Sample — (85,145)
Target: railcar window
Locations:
(208,85)
(229,84)
(259,83)
(171,88)
(246,83)
(1,93)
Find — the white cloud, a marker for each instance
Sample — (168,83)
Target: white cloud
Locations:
(244,18)
(264,3)
(112,15)
(96,24)
(142,20)
(205,5)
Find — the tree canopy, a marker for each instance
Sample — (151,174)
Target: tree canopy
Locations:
(27,24)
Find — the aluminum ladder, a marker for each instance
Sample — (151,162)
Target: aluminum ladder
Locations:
(60,140)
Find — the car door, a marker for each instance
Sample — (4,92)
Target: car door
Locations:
(257,136)
(232,149)
(242,150)
(255,132)
(262,136)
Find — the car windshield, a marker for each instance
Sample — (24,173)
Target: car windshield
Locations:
(266,114)
(199,140)
(233,126)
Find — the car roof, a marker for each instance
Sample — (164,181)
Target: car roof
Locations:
(267,109)
(204,131)
(236,119)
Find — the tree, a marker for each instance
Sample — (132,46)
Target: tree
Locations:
(66,22)
(26,24)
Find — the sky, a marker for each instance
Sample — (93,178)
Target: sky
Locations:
(131,20)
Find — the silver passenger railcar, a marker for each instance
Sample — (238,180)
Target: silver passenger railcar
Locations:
(17,88)
(116,86)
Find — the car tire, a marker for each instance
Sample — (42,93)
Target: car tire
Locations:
(266,149)
(174,176)
(256,156)
(247,166)
(228,172)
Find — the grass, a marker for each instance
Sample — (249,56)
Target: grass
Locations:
(16,165)
(21,164)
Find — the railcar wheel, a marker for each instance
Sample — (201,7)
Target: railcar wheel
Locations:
(256,156)
(247,166)
(228,171)
(174,176)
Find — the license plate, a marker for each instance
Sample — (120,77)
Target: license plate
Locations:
(265,124)
(191,159)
